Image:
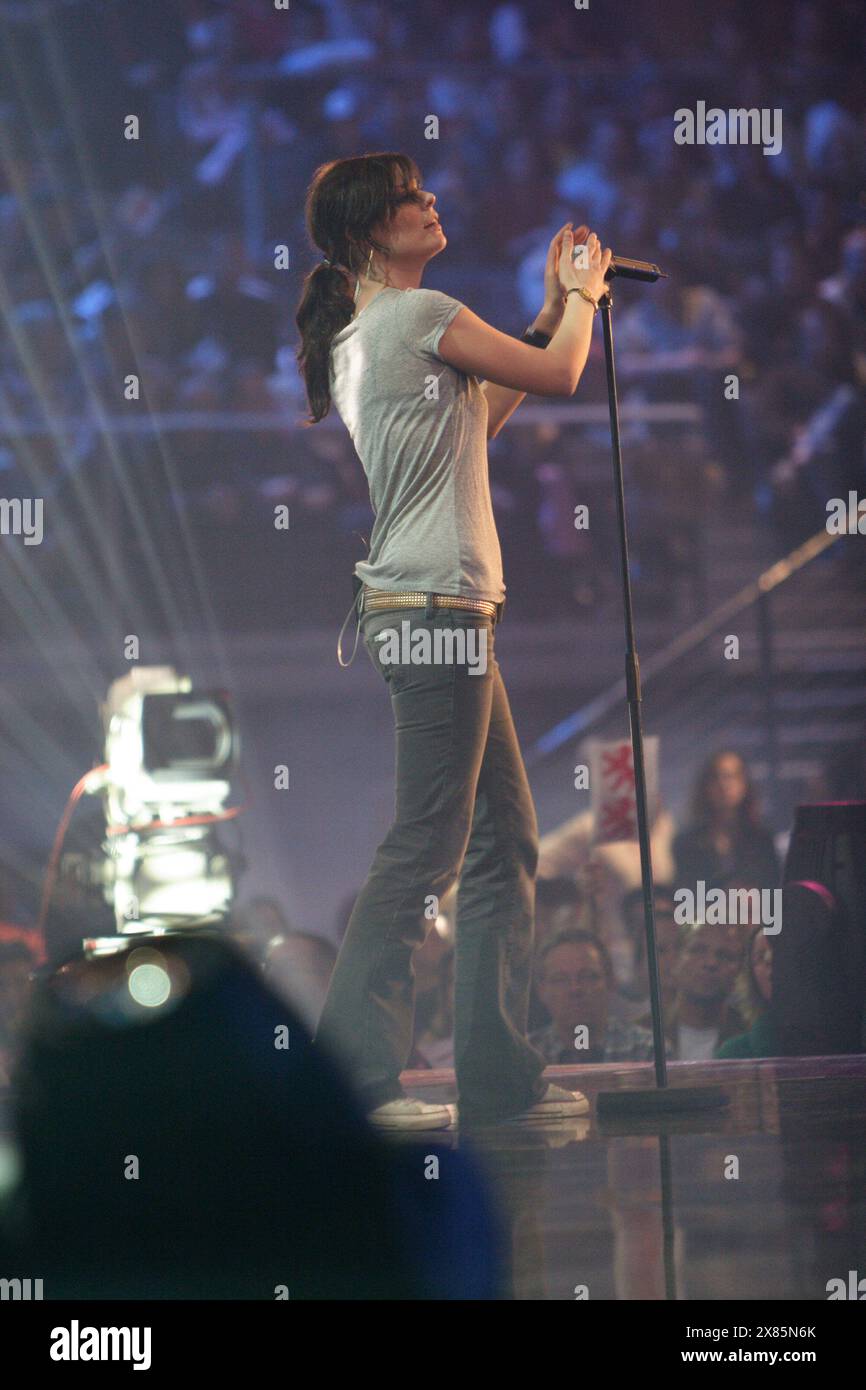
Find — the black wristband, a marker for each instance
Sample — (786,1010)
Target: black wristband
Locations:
(535,338)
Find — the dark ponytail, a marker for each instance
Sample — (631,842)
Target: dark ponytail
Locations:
(345,200)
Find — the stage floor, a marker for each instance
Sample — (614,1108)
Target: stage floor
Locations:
(766,1198)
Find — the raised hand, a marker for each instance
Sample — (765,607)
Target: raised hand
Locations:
(573,275)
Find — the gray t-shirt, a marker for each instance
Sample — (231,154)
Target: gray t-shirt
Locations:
(424,454)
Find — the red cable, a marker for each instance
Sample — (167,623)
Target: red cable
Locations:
(54,857)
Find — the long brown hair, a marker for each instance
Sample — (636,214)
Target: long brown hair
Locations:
(345,200)
(748,812)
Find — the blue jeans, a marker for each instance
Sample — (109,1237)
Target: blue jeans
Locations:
(463,810)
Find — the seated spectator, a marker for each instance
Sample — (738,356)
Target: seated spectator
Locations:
(560,905)
(17,963)
(747,897)
(576,984)
(760,1039)
(681,329)
(724,837)
(632,1000)
(298,966)
(701,1018)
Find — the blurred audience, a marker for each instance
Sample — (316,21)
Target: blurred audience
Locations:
(766,256)
(701,1016)
(810,415)
(576,985)
(760,1040)
(560,905)
(606,872)
(678,344)
(632,999)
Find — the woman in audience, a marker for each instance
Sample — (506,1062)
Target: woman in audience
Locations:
(725,837)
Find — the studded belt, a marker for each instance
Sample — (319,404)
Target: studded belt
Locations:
(412,598)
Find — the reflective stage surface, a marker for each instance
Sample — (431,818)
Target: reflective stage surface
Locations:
(764,1199)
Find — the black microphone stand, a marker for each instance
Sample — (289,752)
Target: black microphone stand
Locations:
(663,1099)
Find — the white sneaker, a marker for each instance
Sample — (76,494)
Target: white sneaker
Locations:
(407,1114)
(556,1104)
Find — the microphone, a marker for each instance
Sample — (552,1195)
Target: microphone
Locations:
(633,270)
